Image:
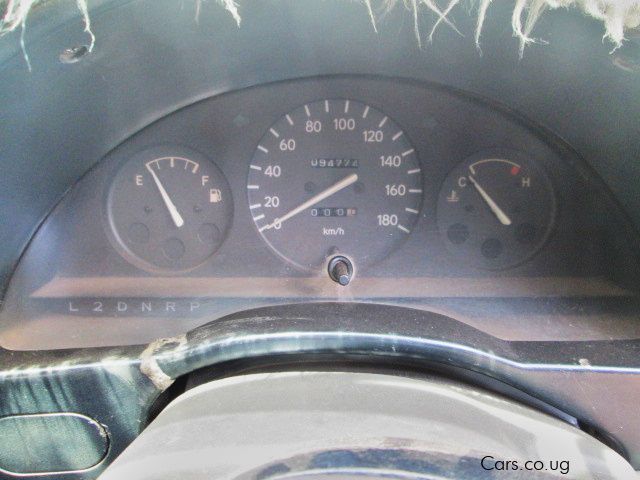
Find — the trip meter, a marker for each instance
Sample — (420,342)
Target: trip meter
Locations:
(334,177)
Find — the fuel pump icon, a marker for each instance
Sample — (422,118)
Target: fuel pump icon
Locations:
(215,195)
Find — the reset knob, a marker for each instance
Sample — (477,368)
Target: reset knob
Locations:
(340,270)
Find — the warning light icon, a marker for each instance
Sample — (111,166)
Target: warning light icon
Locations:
(453,197)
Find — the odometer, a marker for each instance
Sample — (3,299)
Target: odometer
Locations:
(334,177)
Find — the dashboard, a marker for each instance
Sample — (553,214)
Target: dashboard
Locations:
(194,199)
(344,188)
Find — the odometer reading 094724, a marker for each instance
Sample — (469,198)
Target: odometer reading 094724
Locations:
(334,177)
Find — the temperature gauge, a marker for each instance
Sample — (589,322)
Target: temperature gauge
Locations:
(169,209)
(495,211)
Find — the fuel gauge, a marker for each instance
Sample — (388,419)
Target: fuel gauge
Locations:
(495,211)
(169,209)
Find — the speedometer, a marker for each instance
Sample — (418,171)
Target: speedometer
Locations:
(334,177)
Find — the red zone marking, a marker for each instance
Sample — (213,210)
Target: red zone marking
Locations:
(515,170)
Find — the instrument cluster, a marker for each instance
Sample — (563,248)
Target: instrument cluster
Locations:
(331,178)
(351,189)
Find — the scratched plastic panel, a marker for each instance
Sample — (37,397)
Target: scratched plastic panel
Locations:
(50,443)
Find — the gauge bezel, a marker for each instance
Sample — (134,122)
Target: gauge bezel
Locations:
(517,156)
(151,153)
(415,219)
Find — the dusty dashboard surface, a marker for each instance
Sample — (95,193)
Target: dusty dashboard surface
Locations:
(349,189)
(198,196)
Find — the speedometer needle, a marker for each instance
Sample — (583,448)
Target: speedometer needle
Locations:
(497,211)
(173,211)
(335,188)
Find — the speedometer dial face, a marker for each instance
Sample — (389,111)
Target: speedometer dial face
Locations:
(334,177)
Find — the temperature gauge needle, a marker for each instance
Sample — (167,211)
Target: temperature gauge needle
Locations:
(335,188)
(497,211)
(173,211)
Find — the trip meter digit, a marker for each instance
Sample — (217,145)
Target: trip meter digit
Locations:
(334,177)
(495,211)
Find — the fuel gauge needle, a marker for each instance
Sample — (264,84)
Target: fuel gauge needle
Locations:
(173,211)
(333,189)
(497,211)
